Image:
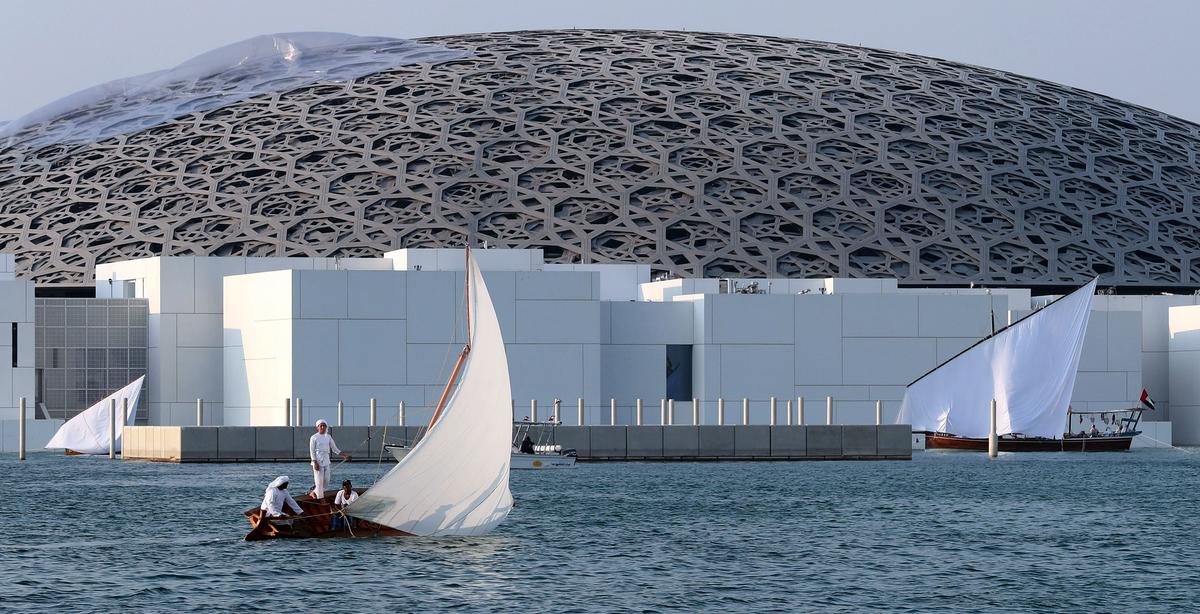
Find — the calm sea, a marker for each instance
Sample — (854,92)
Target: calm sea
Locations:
(946,532)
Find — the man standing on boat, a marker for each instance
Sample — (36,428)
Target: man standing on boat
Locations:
(321,447)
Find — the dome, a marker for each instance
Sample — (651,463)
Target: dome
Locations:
(700,154)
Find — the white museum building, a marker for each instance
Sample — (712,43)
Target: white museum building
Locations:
(253,337)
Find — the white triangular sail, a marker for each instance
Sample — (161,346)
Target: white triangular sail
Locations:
(1029,368)
(87,432)
(455,480)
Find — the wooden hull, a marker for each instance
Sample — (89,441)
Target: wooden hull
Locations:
(942,441)
(315,522)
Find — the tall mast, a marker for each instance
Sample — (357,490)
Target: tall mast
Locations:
(462,356)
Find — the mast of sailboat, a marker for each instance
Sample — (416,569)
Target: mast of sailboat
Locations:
(462,356)
(994,333)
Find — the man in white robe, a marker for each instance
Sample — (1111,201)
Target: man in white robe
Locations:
(276,496)
(321,447)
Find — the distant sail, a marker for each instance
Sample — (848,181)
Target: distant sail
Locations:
(455,480)
(1029,368)
(87,432)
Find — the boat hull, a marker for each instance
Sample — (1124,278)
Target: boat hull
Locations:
(541,461)
(942,441)
(314,523)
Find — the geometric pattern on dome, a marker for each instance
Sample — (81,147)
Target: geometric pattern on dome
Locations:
(699,154)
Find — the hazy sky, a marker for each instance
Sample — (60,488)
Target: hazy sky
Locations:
(1143,51)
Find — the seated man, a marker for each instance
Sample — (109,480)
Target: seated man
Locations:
(344,497)
(527,446)
(276,496)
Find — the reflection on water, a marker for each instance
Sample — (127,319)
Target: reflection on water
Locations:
(948,531)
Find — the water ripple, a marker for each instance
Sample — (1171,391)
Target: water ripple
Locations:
(946,532)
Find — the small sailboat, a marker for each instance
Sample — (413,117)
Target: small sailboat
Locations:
(454,480)
(1029,368)
(88,431)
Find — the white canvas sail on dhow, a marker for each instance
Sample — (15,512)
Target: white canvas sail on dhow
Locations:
(87,433)
(455,480)
(1029,368)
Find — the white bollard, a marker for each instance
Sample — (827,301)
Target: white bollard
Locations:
(662,412)
(788,407)
(557,411)
(828,410)
(772,421)
(533,410)
(199,412)
(401,413)
(745,410)
(799,411)
(720,412)
(371,416)
(112,429)
(581,416)
(670,412)
(993,440)
(612,412)
(21,429)
(637,414)
(340,412)
(287,412)
(695,412)
(299,411)
(878,413)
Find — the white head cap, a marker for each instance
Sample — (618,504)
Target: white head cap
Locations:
(279,481)
(320,422)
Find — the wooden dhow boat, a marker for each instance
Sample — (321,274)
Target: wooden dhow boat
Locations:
(454,481)
(1028,368)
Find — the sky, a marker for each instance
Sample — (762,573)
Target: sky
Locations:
(1141,51)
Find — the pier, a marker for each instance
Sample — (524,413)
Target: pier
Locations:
(232,444)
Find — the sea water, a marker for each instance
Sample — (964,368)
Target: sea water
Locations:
(947,532)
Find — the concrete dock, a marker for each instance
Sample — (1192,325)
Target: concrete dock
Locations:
(230,444)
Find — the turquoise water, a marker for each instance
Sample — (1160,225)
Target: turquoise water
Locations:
(948,531)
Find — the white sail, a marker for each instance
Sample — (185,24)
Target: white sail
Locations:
(87,432)
(455,480)
(1029,368)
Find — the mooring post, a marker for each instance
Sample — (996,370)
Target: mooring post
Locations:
(993,440)
(662,412)
(341,410)
(772,421)
(670,412)
(788,407)
(637,412)
(21,429)
(112,429)
(287,411)
(557,411)
(533,410)
(799,411)
(199,412)
(612,412)
(829,410)
(745,410)
(878,413)
(579,407)
(720,411)
(695,412)
(371,416)
(401,412)
(299,411)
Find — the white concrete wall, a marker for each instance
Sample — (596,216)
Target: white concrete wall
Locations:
(1184,374)
(16,307)
(392,336)
(184,358)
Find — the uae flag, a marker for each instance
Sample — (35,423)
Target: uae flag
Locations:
(1146,400)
